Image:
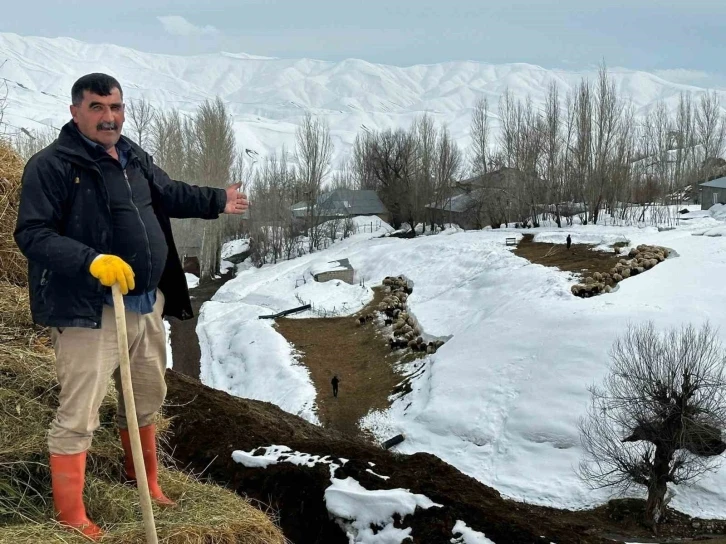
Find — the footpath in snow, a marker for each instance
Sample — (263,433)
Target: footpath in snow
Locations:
(502,398)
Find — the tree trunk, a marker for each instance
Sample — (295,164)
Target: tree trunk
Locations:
(657,488)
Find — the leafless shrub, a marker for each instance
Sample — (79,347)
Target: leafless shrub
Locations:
(658,417)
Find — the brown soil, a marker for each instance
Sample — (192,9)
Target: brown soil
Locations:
(357,354)
(208,425)
(580,258)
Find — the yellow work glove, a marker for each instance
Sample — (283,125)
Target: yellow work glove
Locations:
(109,269)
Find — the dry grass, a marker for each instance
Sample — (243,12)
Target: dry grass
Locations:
(207,514)
(12,263)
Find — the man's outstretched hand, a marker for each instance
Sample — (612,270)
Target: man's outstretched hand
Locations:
(236,202)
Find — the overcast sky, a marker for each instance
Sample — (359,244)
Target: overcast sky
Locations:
(640,34)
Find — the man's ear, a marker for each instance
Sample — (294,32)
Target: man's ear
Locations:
(74,111)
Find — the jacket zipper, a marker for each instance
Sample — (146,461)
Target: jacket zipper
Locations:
(143,226)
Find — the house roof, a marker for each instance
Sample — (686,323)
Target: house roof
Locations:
(718,183)
(344,202)
(464,201)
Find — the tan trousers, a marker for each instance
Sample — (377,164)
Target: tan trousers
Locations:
(85,361)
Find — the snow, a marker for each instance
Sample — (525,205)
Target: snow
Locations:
(169,358)
(502,398)
(468,536)
(375,474)
(356,509)
(267,97)
(225,266)
(244,355)
(234,247)
(331,266)
(192,280)
(718,212)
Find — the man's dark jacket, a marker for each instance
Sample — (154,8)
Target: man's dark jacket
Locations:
(64,222)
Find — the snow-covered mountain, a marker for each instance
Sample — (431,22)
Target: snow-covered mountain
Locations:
(268,96)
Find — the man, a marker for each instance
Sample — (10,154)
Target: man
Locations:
(335,382)
(569,241)
(94,211)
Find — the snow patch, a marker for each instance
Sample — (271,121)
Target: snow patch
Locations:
(235,247)
(355,508)
(468,536)
(192,280)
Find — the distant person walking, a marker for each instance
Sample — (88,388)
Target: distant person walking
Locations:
(335,382)
(569,241)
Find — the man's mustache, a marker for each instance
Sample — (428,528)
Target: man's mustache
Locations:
(107,126)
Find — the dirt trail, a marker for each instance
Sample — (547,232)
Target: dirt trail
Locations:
(358,354)
(580,258)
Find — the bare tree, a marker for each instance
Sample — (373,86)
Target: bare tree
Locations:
(447,171)
(421,188)
(392,160)
(479,153)
(215,154)
(362,162)
(313,152)
(344,178)
(711,131)
(141,119)
(28,142)
(658,418)
(168,142)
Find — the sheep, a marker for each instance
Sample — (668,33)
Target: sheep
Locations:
(597,276)
(397,344)
(617,278)
(576,290)
(613,271)
(607,289)
(407,328)
(430,348)
(625,273)
(589,280)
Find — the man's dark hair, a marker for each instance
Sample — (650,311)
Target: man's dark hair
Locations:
(97,83)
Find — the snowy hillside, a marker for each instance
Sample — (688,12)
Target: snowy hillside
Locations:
(501,399)
(268,96)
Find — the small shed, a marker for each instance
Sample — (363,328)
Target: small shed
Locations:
(713,192)
(335,270)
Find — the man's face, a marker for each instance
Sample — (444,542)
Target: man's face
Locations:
(100,118)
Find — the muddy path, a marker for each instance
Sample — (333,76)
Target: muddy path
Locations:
(358,354)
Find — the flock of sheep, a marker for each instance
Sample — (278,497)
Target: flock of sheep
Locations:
(406,332)
(639,260)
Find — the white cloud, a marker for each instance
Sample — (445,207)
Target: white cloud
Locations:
(176,25)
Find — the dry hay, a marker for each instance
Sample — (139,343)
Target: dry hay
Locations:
(13,266)
(28,397)
(206,514)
